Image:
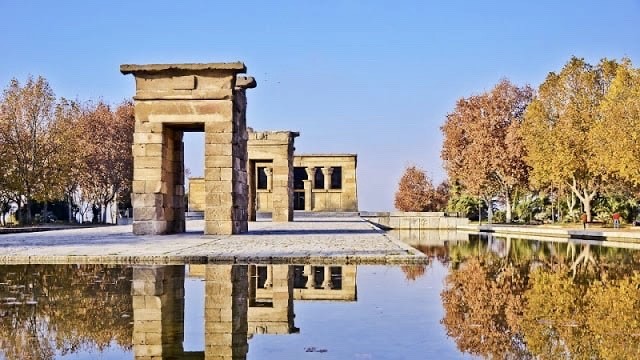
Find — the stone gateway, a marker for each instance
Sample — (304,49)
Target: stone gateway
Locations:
(171,99)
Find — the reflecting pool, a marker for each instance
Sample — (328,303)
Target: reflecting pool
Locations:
(480,297)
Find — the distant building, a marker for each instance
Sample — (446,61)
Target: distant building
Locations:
(325,182)
(321,182)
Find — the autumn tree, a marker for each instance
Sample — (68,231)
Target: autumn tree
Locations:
(614,143)
(483,149)
(30,145)
(415,191)
(70,133)
(558,129)
(106,153)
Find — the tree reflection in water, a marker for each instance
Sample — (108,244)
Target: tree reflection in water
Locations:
(49,308)
(543,300)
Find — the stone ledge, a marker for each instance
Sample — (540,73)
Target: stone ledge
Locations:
(224,259)
(236,67)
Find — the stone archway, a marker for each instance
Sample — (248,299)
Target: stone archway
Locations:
(171,99)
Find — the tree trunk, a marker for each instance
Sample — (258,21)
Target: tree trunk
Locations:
(585,198)
(28,214)
(489,210)
(70,207)
(507,200)
(587,209)
(103,210)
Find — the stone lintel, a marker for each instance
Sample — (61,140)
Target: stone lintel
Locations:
(191,68)
(271,137)
(327,155)
(245,82)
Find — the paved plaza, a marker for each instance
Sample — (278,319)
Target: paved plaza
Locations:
(349,240)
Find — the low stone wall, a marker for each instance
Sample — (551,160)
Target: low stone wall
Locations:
(414,220)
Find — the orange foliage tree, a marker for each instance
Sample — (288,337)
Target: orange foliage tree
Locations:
(415,191)
(482,149)
(106,152)
(35,149)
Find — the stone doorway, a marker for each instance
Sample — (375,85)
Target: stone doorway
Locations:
(171,99)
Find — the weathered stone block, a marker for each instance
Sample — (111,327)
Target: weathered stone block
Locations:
(148,213)
(217,149)
(149,227)
(147,200)
(147,138)
(218,161)
(147,174)
(221,227)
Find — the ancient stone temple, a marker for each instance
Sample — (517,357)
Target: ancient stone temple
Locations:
(171,99)
(321,182)
(325,182)
(270,173)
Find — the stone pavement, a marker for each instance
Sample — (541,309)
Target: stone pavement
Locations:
(307,241)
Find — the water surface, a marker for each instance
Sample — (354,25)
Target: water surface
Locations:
(480,297)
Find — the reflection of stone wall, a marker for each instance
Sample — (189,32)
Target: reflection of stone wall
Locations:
(271,305)
(273,149)
(158,311)
(226,296)
(415,220)
(326,289)
(429,237)
(327,199)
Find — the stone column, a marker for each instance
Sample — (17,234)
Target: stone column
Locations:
(327,171)
(269,172)
(268,283)
(308,188)
(226,294)
(171,98)
(158,312)
(226,180)
(308,271)
(326,283)
(253,191)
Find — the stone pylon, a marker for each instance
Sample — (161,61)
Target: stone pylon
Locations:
(171,99)
(271,152)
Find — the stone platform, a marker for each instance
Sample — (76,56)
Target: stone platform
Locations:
(348,240)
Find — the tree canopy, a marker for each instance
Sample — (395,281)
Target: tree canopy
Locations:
(52,148)
(482,149)
(416,192)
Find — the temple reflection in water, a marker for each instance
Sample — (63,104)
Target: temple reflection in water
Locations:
(488,296)
(240,301)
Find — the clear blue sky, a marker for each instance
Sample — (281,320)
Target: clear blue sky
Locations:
(375,78)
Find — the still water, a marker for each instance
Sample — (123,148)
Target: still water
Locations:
(480,297)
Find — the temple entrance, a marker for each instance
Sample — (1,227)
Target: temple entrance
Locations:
(171,99)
